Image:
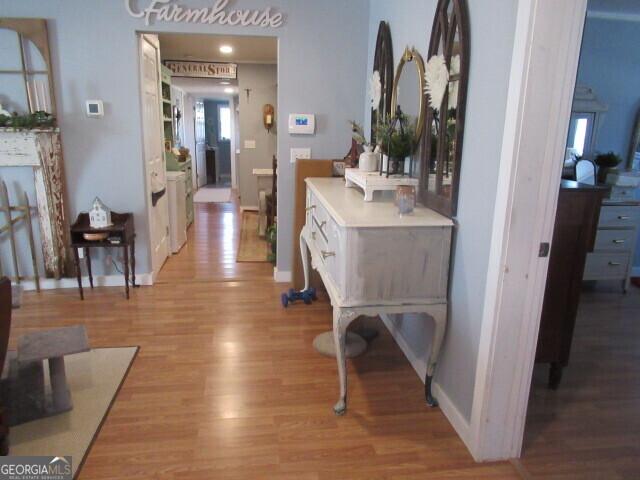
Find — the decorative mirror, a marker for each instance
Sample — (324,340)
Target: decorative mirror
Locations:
(25,69)
(633,159)
(408,90)
(382,81)
(446,78)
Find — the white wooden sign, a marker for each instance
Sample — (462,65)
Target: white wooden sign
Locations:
(219,12)
(181,68)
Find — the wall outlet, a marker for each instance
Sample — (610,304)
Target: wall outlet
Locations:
(250,144)
(81,253)
(297,153)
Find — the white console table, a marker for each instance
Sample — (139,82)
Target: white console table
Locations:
(374,262)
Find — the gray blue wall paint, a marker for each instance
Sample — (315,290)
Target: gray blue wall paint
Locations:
(610,64)
(491,52)
(322,60)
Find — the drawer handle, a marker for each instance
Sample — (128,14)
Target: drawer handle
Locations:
(313,235)
(614,264)
(623,217)
(618,241)
(308,209)
(326,254)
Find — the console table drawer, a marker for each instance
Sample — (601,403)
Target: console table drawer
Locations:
(606,266)
(619,216)
(620,240)
(621,194)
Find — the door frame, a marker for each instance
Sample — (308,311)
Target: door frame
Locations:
(544,66)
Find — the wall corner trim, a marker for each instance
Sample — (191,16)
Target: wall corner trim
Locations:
(98,281)
(281,277)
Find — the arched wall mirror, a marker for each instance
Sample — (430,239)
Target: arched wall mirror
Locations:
(447,74)
(383,65)
(408,90)
(26,83)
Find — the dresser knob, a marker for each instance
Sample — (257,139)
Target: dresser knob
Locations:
(618,241)
(326,254)
(623,217)
(614,264)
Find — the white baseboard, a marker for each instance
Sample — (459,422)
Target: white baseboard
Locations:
(281,277)
(457,420)
(98,281)
(250,208)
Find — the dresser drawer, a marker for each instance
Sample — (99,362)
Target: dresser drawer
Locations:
(622,194)
(606,266)
(619,240)
(619,216)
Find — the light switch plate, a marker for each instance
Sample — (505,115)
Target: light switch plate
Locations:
(297,153)
(249,144)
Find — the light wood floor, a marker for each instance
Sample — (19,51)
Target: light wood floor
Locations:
(227,385)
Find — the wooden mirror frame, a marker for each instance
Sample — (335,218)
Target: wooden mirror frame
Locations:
(635,143)
(383,63)
(411,56)
(445,28)
(35,30)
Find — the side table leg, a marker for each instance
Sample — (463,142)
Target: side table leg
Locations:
(439,315)
(87,252)
(76,258)
(59,388)
(133,263)
(341,321)
(126,270)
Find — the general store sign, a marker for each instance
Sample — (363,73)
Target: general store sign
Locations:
(181,68)
(219,13)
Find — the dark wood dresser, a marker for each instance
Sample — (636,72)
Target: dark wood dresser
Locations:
(573,237)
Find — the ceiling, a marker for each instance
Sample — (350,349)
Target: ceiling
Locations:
(182,46)
(621,7)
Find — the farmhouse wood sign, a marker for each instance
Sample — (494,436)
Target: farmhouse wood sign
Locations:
(219,12)
(181,68)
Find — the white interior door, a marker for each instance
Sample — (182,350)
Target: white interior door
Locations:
(154,161)
(201,144)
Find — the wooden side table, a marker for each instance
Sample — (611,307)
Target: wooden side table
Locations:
(120,234)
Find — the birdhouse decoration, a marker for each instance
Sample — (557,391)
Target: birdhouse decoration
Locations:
(99,215)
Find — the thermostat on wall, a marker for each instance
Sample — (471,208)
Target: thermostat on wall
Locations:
(302,123)
(95,108)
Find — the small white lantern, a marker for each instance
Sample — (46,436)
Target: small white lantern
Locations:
(99,215)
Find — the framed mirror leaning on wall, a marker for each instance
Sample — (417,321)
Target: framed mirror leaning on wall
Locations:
(382,78)
(446,76)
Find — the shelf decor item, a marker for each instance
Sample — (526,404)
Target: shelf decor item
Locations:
(368,158)
(606,162)
(99,215)
(396,137)
(405,199)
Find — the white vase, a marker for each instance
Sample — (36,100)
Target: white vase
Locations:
(368,161)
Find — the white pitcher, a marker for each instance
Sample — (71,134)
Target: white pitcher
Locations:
(368,161)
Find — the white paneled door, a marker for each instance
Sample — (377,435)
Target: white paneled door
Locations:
(154,161)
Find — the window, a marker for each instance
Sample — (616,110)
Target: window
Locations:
(580,134)
(224,122)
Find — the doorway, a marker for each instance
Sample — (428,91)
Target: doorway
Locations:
(213,134)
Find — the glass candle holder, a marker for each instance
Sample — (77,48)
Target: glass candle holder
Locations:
(405,199)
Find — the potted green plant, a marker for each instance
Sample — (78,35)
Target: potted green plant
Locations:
(606,162)
(396,139)
(271,236)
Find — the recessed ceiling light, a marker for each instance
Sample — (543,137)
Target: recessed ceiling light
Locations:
(225,83)
(226,49)
(228,90)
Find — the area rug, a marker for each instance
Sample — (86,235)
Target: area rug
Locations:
(252,248)
(94,377)
(212,195)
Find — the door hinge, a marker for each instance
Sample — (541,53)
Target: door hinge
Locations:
(544,250)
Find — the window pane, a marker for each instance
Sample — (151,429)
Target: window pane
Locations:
(225,123)
(580,136)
